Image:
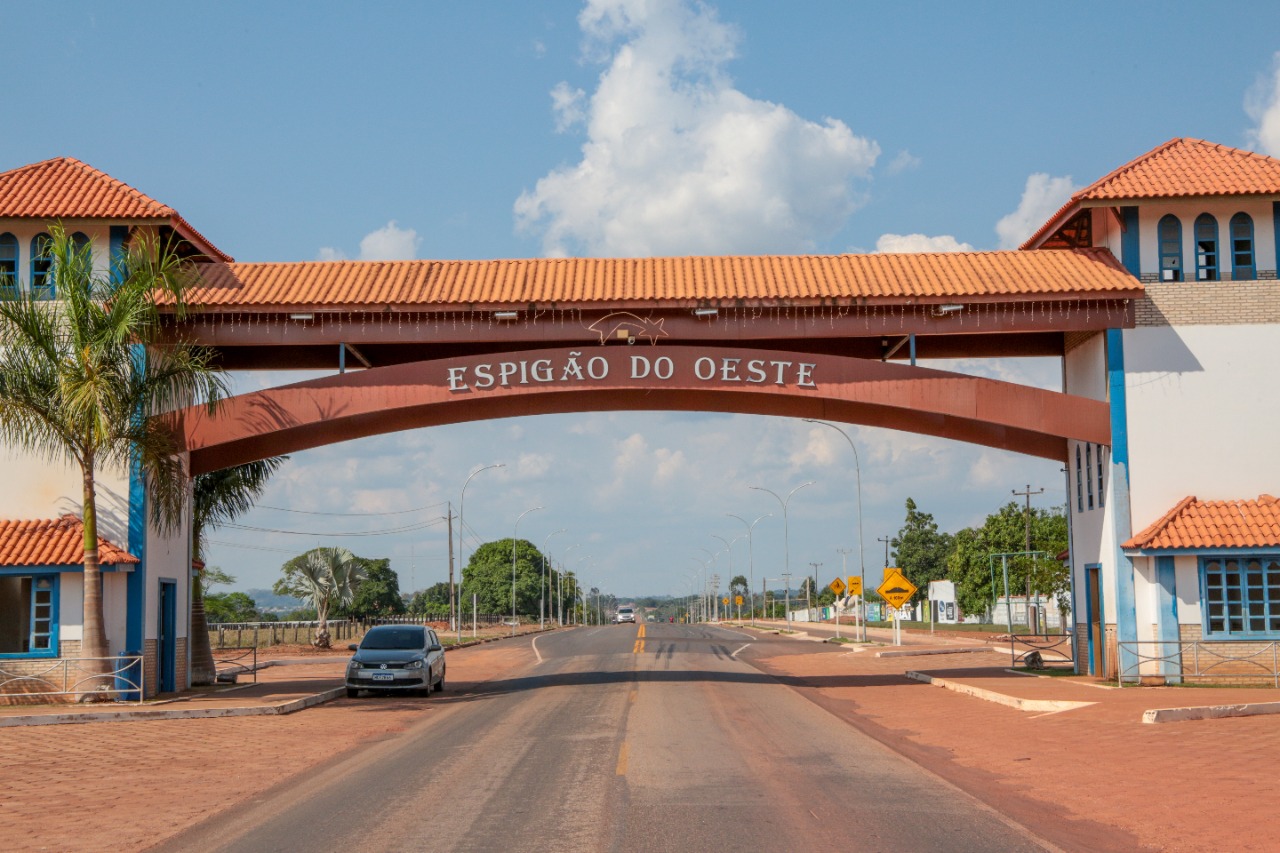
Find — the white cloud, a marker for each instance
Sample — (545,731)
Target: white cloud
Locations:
(1262,104)
(920,243)
(531,465)
(903,161)
(388,243)
(1041,198)
(678,161)
(566,104)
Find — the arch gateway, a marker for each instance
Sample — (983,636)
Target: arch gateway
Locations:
(1177,546)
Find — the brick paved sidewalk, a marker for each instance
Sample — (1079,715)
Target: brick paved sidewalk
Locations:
(109,786)
(1092,778)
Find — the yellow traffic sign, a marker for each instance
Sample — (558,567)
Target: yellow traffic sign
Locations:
(854,586)
(837,586)
(724,600)
(737,599)
(896,589)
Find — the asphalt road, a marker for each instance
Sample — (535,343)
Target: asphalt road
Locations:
(654,737)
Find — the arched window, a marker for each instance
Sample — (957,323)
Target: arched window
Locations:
(1206,248)
(41,267)
(1100,492)
(1169,233)
(1243,266)
(1079,482)
(1088,472)
(8,264)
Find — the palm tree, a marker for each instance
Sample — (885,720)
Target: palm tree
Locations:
(325,577)
(82,377)
(219,497)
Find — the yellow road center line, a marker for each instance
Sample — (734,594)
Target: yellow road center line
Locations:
(622,760)
(634,694)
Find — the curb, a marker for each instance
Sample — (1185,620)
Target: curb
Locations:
(1051,706)
(1209,712)
(278,709)
(907,653)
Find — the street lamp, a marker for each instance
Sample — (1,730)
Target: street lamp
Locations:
(751,560)
(862,564)
(705,598)
(542,588)
(786,534)
(560,584)
(515,535)
(728,546)
(462,504)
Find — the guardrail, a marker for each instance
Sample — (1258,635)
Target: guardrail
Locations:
(120,678)
(1196,659)
(229,664)
(261,634)
(1056,648)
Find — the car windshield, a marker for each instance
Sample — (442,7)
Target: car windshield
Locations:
(394,638)
(626,610)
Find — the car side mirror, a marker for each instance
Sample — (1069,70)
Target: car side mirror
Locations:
(352,647)
(436,648)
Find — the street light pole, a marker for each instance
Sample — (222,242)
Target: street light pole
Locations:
(515,535)
(728,546)
(751,560)
(862,563)
(786,535)
(560,585)
(542,588)
(462,505)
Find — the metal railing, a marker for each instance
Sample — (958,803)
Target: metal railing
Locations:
(229,664)
(1195,659)
(259,634)
(1053,648)
(120,678)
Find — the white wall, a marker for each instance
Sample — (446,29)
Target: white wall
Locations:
(98,232)
(1202,410)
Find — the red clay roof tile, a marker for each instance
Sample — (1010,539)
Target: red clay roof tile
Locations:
(563,282)
(1197,524)
(1180,168)
(66,188)
(53,542)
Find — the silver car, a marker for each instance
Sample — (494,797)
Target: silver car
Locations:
(396,657)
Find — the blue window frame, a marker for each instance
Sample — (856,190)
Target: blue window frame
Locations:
(1206,233)
(1241,597)
(1169,234)
(28,615)
(1088,471)
(1100,492)
(1243,265)
(8,265)
(42,267)
(1079,482)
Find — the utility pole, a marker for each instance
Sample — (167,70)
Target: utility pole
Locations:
(844,570)
(813,584)
(1027,515)
(886,540)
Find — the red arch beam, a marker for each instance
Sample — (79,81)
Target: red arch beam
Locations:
(641,378)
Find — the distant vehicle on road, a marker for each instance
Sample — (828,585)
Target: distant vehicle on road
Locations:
(624,614)
(396,658)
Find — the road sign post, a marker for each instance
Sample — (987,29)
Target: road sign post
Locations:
(853,586)
(896,590)
(837,586)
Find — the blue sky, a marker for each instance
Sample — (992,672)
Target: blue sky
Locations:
(489,130)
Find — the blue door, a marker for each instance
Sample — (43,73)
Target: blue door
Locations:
(166,639)
(1093,615)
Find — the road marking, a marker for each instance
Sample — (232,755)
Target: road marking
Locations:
(622,761)
(535,650)
(639,647)
(740,648)
(634,694)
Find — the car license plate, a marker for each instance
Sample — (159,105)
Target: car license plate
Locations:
(384,676)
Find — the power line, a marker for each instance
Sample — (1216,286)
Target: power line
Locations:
(351,514)
(325,533)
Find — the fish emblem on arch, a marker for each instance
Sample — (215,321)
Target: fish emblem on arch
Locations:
(623,325)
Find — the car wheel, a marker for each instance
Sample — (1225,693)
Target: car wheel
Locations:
(440,683)
(353,692)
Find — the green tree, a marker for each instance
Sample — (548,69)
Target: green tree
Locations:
(217,498)
(432,601)
(83,376)
(231,607)
(378,593)
(325,578)
(738,586)
(488,576)
(920,550)
(977,574)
